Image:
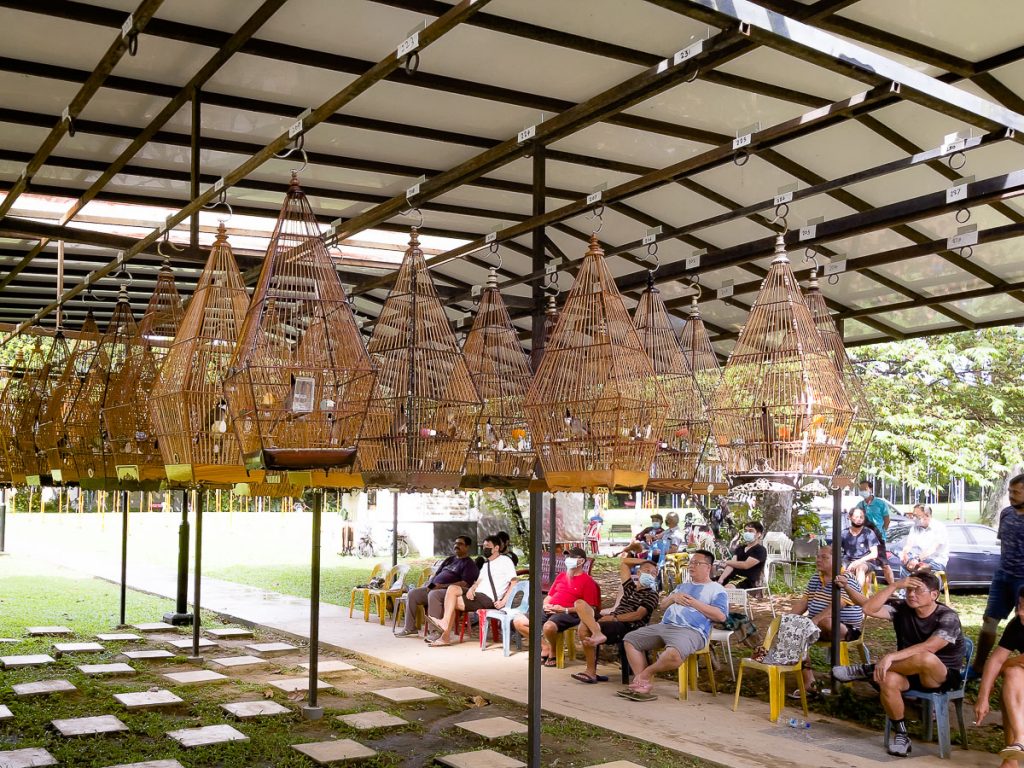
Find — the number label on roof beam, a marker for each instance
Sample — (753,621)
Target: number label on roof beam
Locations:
(785,196)
(725,291)
(687,53)
(218,185)
(809,232)
(414,190)
(835,267)
(964,237)
(128,26)
(410,44)
(295,129)
(742,141)
(490,237)
(693,261)
(526,134)
(652,235)
(958,192)
(594,197)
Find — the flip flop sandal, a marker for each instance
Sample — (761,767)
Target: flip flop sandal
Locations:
(550,662)
(1014,751)
(635,695)
(583,677)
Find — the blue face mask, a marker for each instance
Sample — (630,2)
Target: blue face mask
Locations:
(656,526)
(649,581)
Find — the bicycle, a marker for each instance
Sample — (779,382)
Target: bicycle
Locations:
(367,547)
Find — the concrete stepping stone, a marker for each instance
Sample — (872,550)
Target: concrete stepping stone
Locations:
(229,633)
(148,699)
(118,637)
(493,727)
(484,758)
(89,726)
(206,735)
(5,713)
(186,645)
(55,631)
(9,640)
(150,764)
(155,626)
(323,752)
(244,710)
(617,764)
(238,662)
(196,677)
(141,655)
(327,667)
(78,647)
(26,758)
(406,694)
(26,660)
(42,688)
(293,684)
(117,668)
(364,721)
(269,650)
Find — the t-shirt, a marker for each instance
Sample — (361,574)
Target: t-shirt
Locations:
(675,538)
(921,540)
(819,598)
(565,591)
(751,576)
(855,546)
(455,569)
(1013,636)
(634,598)
(711,593)
(876,511)
(943,622)
(1011,539)
(502,570)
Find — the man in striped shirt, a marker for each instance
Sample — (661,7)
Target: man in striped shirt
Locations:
(816,602)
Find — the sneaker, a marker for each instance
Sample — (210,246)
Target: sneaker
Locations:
(407,633)
(851,672)
(899,745)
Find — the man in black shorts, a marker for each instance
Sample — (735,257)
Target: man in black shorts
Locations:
(929,655)
(632,610)
(1012,669)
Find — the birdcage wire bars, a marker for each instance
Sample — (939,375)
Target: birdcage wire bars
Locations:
(298,384)
(423,413)
(18,398)
(501,454)
(683,439)
(187,407)
(595,406)
(780,414)
(863,424)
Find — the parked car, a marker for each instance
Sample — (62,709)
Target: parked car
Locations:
(973,555)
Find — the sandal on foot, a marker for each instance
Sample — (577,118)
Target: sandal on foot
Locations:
(550,662)
(1014,751)
(584,677)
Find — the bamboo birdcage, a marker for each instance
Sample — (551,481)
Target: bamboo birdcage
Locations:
(423,413)
(5,470)
(863,425)
(781,413)
(501,454)
(187,407)
(595,406)
(298,384)
(17,399)
(682,440)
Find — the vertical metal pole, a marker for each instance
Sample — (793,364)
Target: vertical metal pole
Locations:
(124,554)
(181,616)
(3,519)
(394,532)
(197,108)
(837,559)
(198,573)
(552,535)
(312,711)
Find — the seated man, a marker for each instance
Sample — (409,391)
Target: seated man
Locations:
(684,628)
(1012,670)
(746,568)
(860,547)
(646,538)
(632,610)
(458,569)
(560,611)
(927,543)
(929,655)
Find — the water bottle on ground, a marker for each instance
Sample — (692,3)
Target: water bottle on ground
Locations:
(799,724)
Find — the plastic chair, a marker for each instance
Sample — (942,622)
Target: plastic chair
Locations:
(504,616)
(739,596)
(392,588)
(938,703)
(401,603)
(565,644)
(779,547)
(377,570)
(776,677)
(689,671)
(945,583)
(805,551)
(724,637)
(845,646)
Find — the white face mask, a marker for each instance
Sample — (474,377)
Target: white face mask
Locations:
(571,562)
(863,494)
(748,536)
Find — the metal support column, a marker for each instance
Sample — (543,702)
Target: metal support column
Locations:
(311,711)
(198,574)
(837,559)
(193,193)
(124,554)
(181,617)
(394,530)
(3,520)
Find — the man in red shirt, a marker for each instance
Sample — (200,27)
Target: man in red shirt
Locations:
(559,605)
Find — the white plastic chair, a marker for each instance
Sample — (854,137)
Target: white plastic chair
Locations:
(505,615)
(780,549)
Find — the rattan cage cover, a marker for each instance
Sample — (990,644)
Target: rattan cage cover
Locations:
(423,413)
(781,412)
(863,425)
(298,384)
(682,440)
(187,407)
(5,470)
(595,407)
(17,399)
(501,454)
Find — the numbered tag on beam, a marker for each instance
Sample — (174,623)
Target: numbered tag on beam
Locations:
(693,260)
(651,236)
(810,230)
(526,134)
(490,237)
(953,142)
(835,267)
(745,136)
(964,237)
(414,190)
(412,42)
(128,26)
(726,290)
(958,192)
(687,53)
(785,195)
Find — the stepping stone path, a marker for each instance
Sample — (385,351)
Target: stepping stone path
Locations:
(406,694)
(118,668)
(194,678)
(484,758)
(26,758)
(42,688)
(78,647)
(244,710)
(89,726)
(5,713)
(327,667)
(493,727)
(29,660)
(150,764)
(148,699)
(228,633)
(617,764)
(155,626)
(116,637)
(324,752)
(9,640)
(186,645)
(269,650)
(238,662)
(148,654)
(364,721)
(208,734)
(292,684)
(48,631)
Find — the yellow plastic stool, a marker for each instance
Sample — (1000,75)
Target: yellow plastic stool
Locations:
(689,671)
(945,583)
(565,643)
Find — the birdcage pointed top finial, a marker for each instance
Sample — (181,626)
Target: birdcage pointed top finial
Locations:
(122,294)
(294,183)
(222,233)
(414,237)
(780,249)
(492,278)
(812,283)
(595,246)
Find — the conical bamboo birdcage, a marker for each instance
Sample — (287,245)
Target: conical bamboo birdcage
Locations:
(423,414)
(501,454)
(863,425)
(187,407)
(682,440)
(780,414)
(18,398)
(5,378)
(594,406)
(125,412)
(298,384)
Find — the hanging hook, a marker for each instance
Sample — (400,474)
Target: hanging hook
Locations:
(599,215)
(299,145)
(652,256)
(493,248)
(695,284)
(221,199)
(166,240)
(412,63)
(781,214)
(553,282)
(410,212)
(811,255)
(92,296)
(133,42)
(963,215)
(955,163)
(741,157)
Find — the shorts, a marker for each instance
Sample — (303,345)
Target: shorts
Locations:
(1002,595)
(852,634)
(478,603)
(563,621)
(684,639)
(615,631)
(952,681)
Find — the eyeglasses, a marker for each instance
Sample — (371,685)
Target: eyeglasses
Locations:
(700,562)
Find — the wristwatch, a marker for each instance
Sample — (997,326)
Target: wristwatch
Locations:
(565,610)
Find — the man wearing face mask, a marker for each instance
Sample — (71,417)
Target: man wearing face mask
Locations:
(560,611)
(875,510)
(750,558)
(632,610)
(927,543)
(859,546)
(457,569)
(644,540)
